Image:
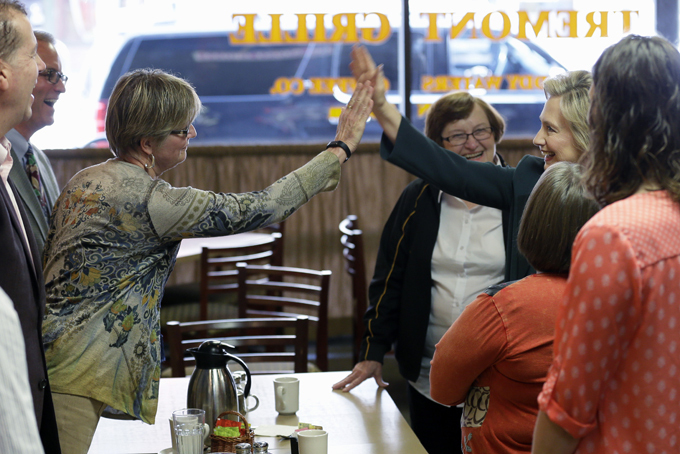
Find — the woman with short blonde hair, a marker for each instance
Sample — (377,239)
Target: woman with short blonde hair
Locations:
(572,88)
(114,236)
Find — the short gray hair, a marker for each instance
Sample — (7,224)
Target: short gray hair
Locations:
(9,37)
(148,103)
(573,87)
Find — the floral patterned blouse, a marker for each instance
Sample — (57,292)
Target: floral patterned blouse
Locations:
(113,239)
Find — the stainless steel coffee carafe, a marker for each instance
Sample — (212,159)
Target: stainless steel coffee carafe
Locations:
(212,385)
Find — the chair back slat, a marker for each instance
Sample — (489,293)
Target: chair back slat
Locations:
(274,300)
(243,333)
(271,291)
(277,285)
(243,255)
(218,267)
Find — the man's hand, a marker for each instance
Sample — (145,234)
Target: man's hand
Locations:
(361,372)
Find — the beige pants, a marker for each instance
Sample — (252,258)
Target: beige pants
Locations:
(77,419)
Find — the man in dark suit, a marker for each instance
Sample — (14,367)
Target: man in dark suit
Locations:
(20,267)
(32,173)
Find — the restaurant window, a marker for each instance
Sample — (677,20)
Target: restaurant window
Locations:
(271,91)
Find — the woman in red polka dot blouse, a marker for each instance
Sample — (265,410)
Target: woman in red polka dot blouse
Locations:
(614,381)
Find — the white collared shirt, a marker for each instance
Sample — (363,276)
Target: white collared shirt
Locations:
(6,162)
(468,257)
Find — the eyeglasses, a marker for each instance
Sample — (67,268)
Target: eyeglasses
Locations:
(53,76)
(181,132)
(461,138)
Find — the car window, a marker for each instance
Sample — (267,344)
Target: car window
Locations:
(216,68)
(254,93)
(468,56)
(387,54)
(527,60)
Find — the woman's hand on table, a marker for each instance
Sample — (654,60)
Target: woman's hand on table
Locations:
(362,371)
(353,119)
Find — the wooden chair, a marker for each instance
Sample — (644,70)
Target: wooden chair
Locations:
(218,267)
(353,251)
(279,227)
(245,335)
(276,291)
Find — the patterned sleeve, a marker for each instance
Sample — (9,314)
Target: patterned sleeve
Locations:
(599,312)
(179,213)
(456,365)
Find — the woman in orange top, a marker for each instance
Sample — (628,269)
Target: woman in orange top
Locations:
(613,385)
(496,355)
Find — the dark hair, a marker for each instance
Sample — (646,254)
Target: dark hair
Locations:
(456,106)
(634,119)
(148,103)
(557,208)
(9,37)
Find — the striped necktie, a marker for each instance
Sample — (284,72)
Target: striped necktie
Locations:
(34,176)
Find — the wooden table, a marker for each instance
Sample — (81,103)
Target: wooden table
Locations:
(190,249)
(363,421)
(187,265)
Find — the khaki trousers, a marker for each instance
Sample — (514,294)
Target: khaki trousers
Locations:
(77,419)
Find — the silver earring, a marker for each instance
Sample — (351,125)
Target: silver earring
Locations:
(153,163)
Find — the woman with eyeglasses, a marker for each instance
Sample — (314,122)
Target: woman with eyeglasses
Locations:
(114,235)
(404,318)
(563,136)
(437,253)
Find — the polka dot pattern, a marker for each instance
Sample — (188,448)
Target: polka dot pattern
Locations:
(614,382)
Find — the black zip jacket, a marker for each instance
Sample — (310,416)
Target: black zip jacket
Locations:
(400,291)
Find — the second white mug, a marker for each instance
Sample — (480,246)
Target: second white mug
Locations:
(313,441)
(287,395)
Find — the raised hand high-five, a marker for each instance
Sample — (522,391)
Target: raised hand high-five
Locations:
(364,69)
(353,118)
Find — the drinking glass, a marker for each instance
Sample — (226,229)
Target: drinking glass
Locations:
(190,430)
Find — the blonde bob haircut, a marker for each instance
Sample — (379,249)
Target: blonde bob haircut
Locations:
(148,103)
(557,208)
(455,106)
(573,87)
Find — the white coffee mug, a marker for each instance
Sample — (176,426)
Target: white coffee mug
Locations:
(287,395)
(313,441)
(243,403)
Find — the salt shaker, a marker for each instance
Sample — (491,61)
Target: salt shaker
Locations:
(242,448)
(260,447)
(239,379)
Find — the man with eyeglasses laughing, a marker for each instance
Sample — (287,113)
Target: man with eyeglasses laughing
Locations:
(32,173)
